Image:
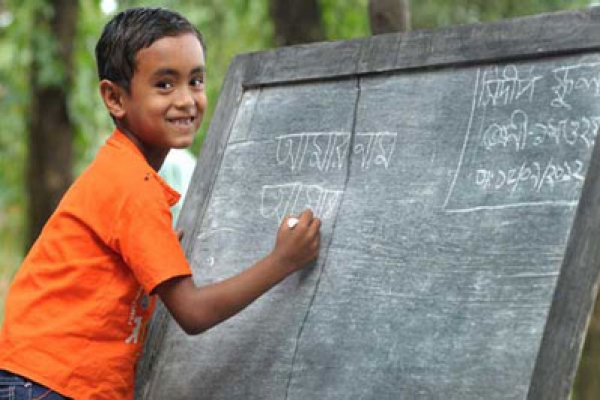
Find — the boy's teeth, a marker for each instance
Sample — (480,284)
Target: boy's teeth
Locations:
(185,121)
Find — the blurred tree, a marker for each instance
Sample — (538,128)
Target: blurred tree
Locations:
(437,13)
(296,21)
(49,162)
(386,16)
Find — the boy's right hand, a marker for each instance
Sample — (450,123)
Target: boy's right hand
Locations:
(296,247)
(197,309)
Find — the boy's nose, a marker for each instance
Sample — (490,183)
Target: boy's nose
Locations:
(185,99)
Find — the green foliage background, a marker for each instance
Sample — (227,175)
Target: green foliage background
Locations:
(230,27)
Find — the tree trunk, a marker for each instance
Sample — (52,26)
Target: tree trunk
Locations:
(296,21)
(387,16)
(50,130)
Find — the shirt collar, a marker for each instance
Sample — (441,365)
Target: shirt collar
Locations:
(121,141)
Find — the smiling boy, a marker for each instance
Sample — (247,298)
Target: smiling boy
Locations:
(77,311)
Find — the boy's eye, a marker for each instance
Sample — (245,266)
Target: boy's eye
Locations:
(164,85)
(197,81)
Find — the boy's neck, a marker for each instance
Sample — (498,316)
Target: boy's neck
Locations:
(154,156)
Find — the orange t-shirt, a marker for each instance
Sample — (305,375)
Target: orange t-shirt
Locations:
(78,308)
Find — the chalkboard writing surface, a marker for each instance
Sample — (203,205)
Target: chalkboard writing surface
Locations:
(458,252)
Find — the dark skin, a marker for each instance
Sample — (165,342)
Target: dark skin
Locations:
(163,110)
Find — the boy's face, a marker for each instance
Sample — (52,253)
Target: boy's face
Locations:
(167,100)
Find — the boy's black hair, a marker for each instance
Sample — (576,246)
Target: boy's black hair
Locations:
(131,31)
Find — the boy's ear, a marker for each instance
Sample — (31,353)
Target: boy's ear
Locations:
(112,95)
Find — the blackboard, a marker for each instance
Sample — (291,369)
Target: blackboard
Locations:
(457,180)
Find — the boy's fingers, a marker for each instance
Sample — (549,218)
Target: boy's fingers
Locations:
(306,218)
(307,215)
(179,233)
(316,223)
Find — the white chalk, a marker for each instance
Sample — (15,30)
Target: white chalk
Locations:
(292,222)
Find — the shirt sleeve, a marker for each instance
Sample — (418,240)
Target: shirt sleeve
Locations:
(145,239)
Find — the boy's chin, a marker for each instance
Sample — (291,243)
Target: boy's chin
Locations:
(183,143)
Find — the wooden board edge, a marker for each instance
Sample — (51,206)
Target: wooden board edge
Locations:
(193,209)
(574,297)
(506,40)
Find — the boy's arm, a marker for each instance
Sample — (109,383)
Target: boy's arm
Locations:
(197,309)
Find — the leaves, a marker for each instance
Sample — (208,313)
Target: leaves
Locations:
(432,14)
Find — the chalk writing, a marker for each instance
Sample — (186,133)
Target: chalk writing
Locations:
(323,151)
(327,151)
(505,86)
(375,148)
(526,142)
(532,175)
(583,76)
(289,198)
(520,134)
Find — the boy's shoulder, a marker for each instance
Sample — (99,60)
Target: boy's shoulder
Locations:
(119,171)
(118,165)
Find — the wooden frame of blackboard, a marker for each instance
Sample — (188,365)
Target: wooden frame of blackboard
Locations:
(536,37)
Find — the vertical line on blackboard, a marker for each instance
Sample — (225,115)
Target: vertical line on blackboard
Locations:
(221,147)
(333,225)
(254,108)
(464,148)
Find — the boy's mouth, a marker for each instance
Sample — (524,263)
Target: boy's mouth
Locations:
(182,121)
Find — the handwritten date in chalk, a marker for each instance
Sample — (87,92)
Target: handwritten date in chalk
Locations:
(530,176)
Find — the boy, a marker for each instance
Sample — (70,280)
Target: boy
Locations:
(77,310)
